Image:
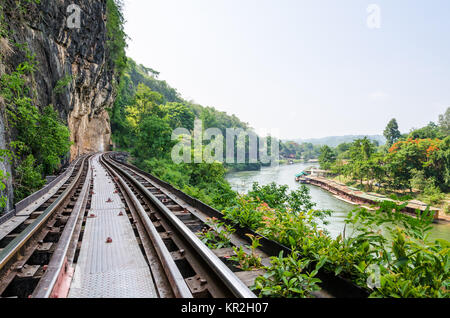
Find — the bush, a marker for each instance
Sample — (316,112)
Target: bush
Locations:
(432,194)
(287,277)
(41,139)
(28,178)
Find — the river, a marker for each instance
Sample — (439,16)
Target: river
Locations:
(285,175)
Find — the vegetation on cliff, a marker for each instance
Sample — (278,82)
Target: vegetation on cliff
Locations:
(39,140)
(116,37)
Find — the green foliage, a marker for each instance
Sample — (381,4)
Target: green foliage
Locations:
(153,138)
(293,150)
(218,235)
(62,84)
(288,277)
(391,133)
(143,117)
(5,155)
(444,122)
(253,211)
(246,213)
(3,25)
(248,262)
(415,271)
(277,197)
(41,139)
(431,131)
(205,182)
(116,36)
(28,178)
(418,180)
(350,256)
(431,193)
(327,157)
(178,115)
(51,140)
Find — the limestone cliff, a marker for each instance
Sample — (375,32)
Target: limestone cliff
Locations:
(77,57)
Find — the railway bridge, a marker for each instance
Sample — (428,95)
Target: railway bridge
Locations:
(105,229)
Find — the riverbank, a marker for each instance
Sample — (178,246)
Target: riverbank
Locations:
(357,197)
(283,175)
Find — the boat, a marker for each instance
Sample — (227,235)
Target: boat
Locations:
(300,177)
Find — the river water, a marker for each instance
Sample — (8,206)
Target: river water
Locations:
(285,175)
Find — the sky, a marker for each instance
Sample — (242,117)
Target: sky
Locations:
(301,68)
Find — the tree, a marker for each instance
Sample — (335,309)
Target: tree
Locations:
(444,122)
(431,131)
(327,157)
(179,116)
(391,132)
(418,180)
(146,102)
(364,163)
(154,138)
(407,157)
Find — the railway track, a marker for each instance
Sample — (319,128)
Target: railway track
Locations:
(39,255)
(35,250)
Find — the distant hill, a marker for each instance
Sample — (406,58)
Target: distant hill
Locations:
(334,141)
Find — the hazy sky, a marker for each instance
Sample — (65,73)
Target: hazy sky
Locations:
(305,68)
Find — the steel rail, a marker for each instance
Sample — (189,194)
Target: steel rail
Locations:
(235,285)
(178,284)
(54,185)
(46,285)
(14,247)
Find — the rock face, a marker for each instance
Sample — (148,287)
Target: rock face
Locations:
(77,57)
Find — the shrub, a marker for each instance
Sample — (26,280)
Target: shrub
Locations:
(28,178)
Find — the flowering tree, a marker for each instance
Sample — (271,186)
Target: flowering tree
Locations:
(410,155)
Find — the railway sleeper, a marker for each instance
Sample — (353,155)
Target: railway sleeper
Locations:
(22,226)
(224,253)
(35,215)
(25,281)
(184,267)
(53,235)
(195,226)
(249,277)
(7,239)
(71,205)
(175,208)
(42,207)
(198,287)
(185,217)
(42,254)
(170,245)
(159,227)
(61,221)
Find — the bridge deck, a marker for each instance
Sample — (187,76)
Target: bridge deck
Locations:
(110,270)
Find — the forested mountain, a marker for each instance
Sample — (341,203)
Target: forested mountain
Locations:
(334,141)
(139,78)
(143,117)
